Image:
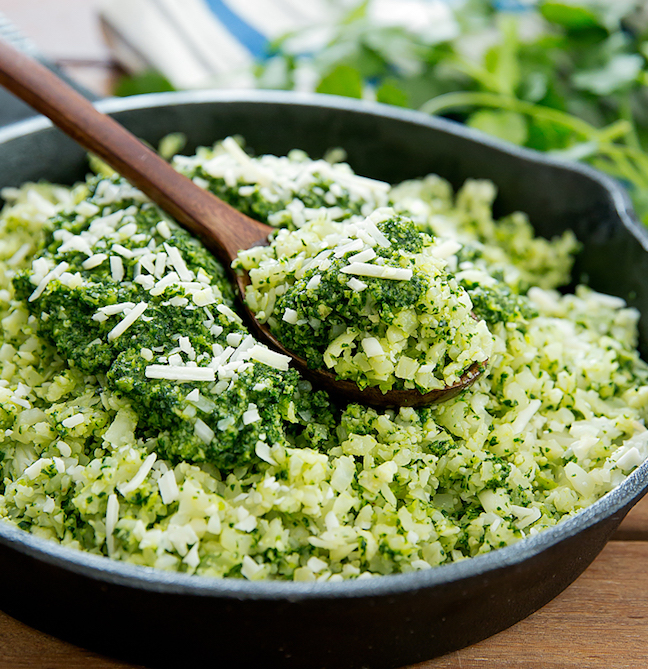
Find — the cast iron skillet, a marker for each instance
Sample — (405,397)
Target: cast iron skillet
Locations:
(159,618)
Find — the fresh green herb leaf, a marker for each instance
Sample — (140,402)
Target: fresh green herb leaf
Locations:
(343,80)
(569,15)
(505,125)
(146,82)
(392,95)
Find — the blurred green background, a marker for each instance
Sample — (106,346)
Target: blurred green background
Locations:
(567,78)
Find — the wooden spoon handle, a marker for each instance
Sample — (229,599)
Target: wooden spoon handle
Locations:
(223,229)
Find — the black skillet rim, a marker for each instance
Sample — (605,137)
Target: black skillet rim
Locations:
(104,569)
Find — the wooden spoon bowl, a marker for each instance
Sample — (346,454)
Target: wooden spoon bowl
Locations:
(350,391)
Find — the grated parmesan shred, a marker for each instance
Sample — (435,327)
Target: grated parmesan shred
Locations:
(378,271)
(138,479)
(179,373)
(127,321)
(116,268)
(54,274)
(112,516)
(268,357)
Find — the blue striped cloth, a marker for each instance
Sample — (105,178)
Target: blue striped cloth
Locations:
(197,43)
(204,43)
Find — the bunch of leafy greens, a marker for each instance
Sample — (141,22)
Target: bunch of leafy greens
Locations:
(564,77)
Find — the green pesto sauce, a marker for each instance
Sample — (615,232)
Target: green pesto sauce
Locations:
(284,402)
(497,304)
(336,306)
(255,205)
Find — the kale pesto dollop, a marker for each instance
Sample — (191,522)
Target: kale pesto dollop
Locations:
(373,300)
(127,296)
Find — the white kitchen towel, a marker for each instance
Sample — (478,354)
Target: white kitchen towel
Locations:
(197,43)
(207,43)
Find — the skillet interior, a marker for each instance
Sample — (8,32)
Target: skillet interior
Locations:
(385,622)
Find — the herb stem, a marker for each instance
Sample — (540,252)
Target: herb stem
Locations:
(449,101)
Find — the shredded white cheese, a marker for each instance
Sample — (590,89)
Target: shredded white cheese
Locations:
(203,431)
(112,516)
(314,282)
(176,259)
(372,347)
(290,316)
(355,245)
(251,415)
(378,271)
(177,373)
(118,308)
(356,284)
(268,357)
(226,311)
(234,339)
(363,256)
(123,251)
(160,264)
(168,487)
(447,248)
(163,229)
(73,421)
(370,226)
(127,321)
(19,255)
(94,261)
(263,451)
(116,268)
(138,479)
(54,274)
(164,283)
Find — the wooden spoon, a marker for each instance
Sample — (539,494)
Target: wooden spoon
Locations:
(223,229)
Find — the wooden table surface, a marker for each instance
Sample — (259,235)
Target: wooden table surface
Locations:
(599,622)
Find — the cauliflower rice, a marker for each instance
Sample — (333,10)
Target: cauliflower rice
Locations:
(554,423)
